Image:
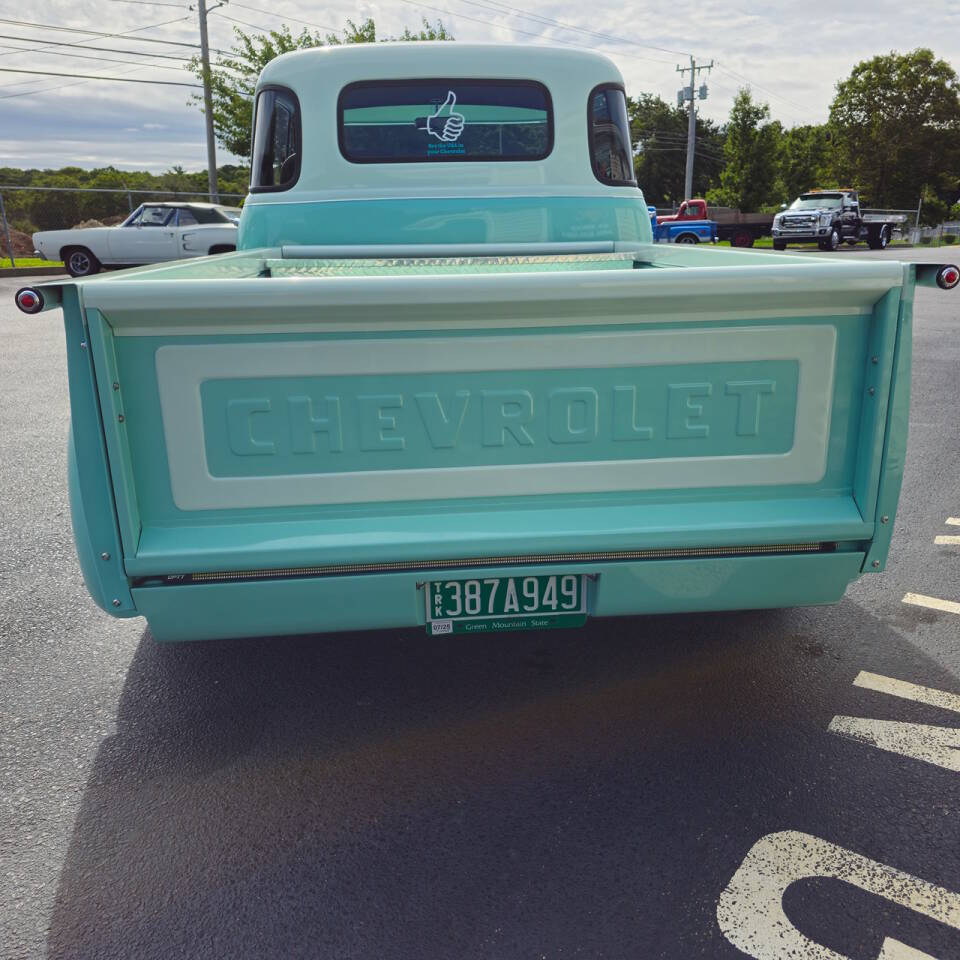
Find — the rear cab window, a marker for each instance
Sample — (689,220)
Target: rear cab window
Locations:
(608,127)
(442,120)
(275,163)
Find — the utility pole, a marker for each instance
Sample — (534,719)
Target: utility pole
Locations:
(208,103)
(691,94)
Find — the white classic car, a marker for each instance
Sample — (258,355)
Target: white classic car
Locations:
(153,232)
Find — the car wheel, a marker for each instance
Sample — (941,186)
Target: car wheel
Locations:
(779,244)
(688,238)
(742,238)
(832,242)
(80,262)
(880,241)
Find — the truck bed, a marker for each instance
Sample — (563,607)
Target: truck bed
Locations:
(283,418)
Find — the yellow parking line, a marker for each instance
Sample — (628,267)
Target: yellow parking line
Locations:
(947,541)
(934,603)
(955,521)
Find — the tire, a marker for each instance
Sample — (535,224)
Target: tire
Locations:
(80,262)
(832,242)
(779,244)
(687,238)
(221,248)
(741,238)
(880,241)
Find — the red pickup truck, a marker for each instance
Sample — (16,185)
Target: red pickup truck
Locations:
(741,229)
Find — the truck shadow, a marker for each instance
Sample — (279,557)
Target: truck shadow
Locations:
(391,794)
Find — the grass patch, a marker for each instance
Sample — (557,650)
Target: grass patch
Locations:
(759,243)
(29,262)
(766,243)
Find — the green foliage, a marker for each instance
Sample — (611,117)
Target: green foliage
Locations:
(933,210)
(896,128)
(751,151)
(233,76)
(954,213)
(660,140)
(804,161)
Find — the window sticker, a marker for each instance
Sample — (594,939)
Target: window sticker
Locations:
(446,124)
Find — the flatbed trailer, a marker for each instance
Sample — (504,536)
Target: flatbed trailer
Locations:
(739,229)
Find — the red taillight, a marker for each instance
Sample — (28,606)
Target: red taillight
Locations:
(948,277)
(29,301)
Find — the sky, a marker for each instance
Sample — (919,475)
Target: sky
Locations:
(791,55)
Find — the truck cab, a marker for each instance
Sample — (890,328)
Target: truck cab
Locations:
(681,231)
(695,209)
(830,218)
(410,149)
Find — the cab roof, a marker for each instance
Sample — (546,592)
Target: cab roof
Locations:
(439,58)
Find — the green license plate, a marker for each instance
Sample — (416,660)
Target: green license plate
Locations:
(506,603)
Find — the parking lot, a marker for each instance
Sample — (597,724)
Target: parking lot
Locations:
(716,785)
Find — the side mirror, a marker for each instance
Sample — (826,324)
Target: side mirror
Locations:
(783,206)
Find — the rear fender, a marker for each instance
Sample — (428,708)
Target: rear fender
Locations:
(92,504)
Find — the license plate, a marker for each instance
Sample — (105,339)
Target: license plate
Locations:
(489,604)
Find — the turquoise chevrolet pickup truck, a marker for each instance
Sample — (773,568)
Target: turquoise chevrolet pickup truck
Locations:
(447,379)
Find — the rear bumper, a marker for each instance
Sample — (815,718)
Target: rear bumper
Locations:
(377,601)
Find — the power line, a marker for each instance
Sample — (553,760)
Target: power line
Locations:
(56,43)
(772,93)
(80,56)
(243,23)
(59,86)
(30,93)
(699,153)
(493,5)
(88,76)
(151,3)
(528,33)
(95,35)
(91,35)
(281,16)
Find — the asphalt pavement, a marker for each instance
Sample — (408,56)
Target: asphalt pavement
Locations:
(651,787)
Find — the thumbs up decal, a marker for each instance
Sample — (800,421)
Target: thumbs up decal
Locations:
(446,124)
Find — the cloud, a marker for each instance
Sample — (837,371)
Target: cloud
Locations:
(791,55)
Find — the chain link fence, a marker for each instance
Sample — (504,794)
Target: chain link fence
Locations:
(119,193)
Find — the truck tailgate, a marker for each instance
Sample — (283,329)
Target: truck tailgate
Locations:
(326,415)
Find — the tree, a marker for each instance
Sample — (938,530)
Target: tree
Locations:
(233,76)
(751,151)
(660,137)
(896,127)
(933,210)
(805,160)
